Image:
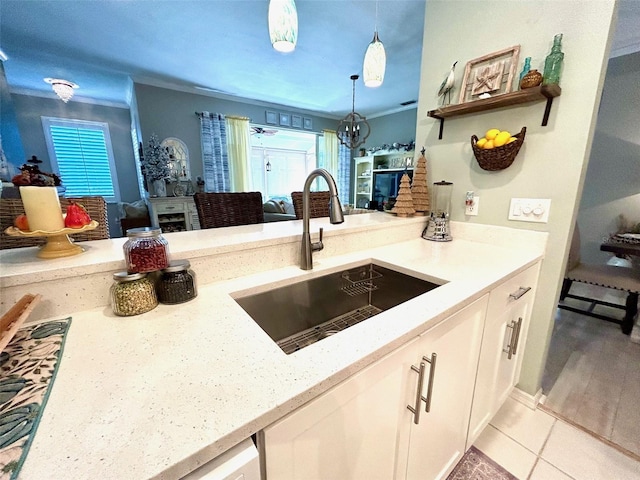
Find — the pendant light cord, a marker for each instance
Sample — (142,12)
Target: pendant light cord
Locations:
(376,15)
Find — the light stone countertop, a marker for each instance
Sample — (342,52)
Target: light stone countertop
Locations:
(157,395)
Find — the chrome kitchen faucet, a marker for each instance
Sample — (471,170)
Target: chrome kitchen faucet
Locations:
(335,216)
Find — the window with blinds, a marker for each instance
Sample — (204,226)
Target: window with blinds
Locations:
(80,152)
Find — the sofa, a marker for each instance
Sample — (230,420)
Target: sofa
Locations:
(276,210)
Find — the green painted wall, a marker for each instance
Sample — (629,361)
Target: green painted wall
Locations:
(553,160)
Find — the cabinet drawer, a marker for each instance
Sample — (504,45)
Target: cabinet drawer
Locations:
(514,291)
(170,208)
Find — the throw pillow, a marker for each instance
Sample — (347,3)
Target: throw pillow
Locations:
(272,206)
(136,209)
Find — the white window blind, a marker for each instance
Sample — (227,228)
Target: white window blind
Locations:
(80,152)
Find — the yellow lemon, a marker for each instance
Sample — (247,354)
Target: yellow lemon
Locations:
(512,139)
(481,142)
(489,145)
(491,134)
(501,139)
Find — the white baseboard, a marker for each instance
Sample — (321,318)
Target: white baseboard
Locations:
(526,399)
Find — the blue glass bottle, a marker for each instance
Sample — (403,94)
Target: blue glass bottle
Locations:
(553,62)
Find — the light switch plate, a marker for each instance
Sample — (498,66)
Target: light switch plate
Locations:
(530,209)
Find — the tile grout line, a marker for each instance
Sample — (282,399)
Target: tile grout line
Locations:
(615,446)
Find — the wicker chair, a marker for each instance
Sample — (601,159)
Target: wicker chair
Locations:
(10,208)
(229,209)
(319,204)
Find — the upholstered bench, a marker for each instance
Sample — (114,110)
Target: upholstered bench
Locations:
(608,276)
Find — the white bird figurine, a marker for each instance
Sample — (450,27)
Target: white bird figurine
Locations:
(447,84)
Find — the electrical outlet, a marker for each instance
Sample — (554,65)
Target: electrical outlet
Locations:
(472,208)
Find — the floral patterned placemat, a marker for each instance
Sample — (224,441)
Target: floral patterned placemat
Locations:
(28,367)
(475,465)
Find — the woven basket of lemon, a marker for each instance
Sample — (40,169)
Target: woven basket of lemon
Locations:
(498,149)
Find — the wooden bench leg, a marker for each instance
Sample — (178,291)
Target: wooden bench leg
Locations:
(631,311)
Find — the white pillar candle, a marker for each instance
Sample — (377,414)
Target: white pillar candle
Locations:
(42,206)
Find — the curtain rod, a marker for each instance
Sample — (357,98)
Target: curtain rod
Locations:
(211,115)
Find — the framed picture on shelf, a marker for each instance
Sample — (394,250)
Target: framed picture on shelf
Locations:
(272,118)
(285,120)
(489,75)
(296,121)
(307,123)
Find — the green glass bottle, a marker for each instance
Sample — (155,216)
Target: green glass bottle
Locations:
(553,62)
(525,69)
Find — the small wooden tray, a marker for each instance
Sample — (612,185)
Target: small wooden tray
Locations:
(15,317)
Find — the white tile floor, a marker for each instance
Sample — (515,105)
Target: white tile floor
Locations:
(534,445)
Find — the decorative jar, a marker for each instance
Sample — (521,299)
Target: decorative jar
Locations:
(177,283)
(146,250)
(531,79)
(132,294)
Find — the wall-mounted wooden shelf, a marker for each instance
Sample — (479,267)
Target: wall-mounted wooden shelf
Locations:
(535,94)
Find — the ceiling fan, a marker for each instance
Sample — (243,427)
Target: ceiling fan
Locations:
(262,131)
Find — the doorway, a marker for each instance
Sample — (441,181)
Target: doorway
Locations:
(592,373)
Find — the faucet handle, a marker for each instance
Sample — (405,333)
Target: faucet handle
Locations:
(317,246)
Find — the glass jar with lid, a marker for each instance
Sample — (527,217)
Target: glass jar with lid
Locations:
(132,294)
(177,283)
(146,250)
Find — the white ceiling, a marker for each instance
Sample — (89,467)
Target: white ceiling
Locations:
(222,46)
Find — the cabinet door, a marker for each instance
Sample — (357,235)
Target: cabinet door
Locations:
(437,442)
(503,341)
(350,432)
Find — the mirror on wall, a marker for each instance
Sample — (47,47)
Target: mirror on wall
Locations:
(178,158)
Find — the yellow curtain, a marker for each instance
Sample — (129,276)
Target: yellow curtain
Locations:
(239,147)
(331,152)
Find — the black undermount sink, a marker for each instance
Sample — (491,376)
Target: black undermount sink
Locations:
(302,313)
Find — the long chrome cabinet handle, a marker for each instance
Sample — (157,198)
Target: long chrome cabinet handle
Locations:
(517,335)
(432,373)
(510,350)
(521,291)
(416,409)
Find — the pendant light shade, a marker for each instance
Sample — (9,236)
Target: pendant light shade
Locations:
(283,25)
(375,61)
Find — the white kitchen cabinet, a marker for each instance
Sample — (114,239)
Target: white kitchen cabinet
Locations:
(363,429)
(435,441)
(505,334)
(349,432)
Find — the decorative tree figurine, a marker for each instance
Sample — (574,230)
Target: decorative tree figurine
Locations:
(155,165)
(419,189)
(404,202)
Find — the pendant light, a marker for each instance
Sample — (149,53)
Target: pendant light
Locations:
(283,25)
(353,129)
(375,60)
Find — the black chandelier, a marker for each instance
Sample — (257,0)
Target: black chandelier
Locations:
(353,129)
